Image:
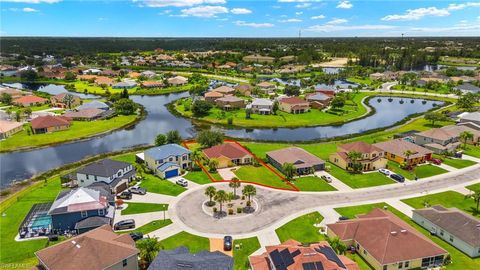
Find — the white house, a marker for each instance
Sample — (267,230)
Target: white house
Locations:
(116,174)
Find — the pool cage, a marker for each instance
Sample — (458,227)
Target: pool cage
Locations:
(37,222)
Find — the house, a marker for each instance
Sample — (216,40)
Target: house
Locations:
(177,80)
(258,58)
(102,80)
(244,89)
(212,96)
(168,160)
(148,74)
(376,76)
(329,92)
(372,157)
(228,155)
(225,90)
(94,105)
(117,174)
(152,84)
(230,103)
(266,87)
(473,117)
(65,100)
(82,209)
(294,255)
(438,140)
(49,123)
(87,114)
(124,85)
(14,93)
(318,100)
(134,74)
(397,149)
(459,229)
(293,105)
(261,106)
(181,258)
(100,249)
(467,88)
(27,101)
(458,129)
(8,128)
(386,242)
(303,161)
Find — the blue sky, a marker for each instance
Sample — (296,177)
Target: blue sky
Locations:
(235,18)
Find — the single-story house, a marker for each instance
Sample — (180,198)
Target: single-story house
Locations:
(458,129)
(152,84)
(372,158)
(134,74)
(92,71)
(261,106)
(396,150)
(293,105)
(228,155)
(148,74)
(8,128)
(181,258)
(438,140)
(168,160)
(386,242)
(295,255)
(65,100)
(124,85)
(212,96)
(230,102)
(94,105)
(329,92)
(318,100)
(225,90)
(27,101)
(303,161)
(14,93)
(49,123)
(117,174)
(100,249)
(467,88)
(102,80)
(86,114)
(454,226)
(244,89)
(266,87)
(473,117)
(177,80)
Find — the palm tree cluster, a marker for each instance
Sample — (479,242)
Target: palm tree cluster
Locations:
(221,196)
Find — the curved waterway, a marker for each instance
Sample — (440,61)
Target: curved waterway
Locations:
(25,164)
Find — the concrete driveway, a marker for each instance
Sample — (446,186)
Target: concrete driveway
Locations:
(227,173)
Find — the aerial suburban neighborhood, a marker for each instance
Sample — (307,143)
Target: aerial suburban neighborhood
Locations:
(239,135)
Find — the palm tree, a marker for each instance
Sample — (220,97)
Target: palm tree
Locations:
(68,100)
(234,184)
(407,154)
(337,245)
(196,155)
(475,195)
(148,249)
(221,196)
(210,192)
(289,170)
(465,136)
(354,156)
(213,164)
(249,191)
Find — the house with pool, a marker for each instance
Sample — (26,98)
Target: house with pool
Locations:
(168,160)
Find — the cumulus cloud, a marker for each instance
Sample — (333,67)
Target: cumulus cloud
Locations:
(240,11)
(417,14)
(177,3)
(27,9)
(204,11)
(254,25)
(318,17)
(344,5)
(290,21)
(463,5)
(303,5)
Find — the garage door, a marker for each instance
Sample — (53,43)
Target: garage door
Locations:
(171,173)
(121,187)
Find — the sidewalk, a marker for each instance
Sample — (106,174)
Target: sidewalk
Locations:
(329,215)
(165,232)
(471,158)
(401,206)
(267,238)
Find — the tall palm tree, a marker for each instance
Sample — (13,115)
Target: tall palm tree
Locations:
(407,154)
(149,248)
(234,183)
(354,156)
(221,196)
(210,192)
(196,155)
(465,136)
(475,195)
(289,170)
(249,191)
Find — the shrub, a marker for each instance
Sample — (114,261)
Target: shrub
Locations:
(239,210)
(230,120)
(215,210)
(230,211)
(5,192)
(249,203)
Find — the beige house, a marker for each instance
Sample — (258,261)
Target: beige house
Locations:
(225,90)
(177,80)
(372,158)
(228,155)
(266,87)
(293,105)
(212,96)
(8,128)
(230,103)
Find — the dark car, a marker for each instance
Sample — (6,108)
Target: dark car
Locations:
(227,243)
(136,236)
(126,195)
(436,161)
(124,224)
(397,177)
(138,190)
(343,218)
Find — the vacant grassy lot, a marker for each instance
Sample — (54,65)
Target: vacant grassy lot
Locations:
(199,177)
(157,185)
(192,242)
(458,163)
(240,256)
(312,183)
(260,175)
(151,226)
(360,180)
(447,199)
(301,229)
(138,208)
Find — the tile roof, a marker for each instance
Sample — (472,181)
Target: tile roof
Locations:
(85,113)
(229,150)
(318,96)
(455,222)
(438,134)
(181,258)
(262,102)
(94,104)
(230,99)
(359,146)
(265,84)
(224,89)
(296,156)
(100,248)
(399,146)
(167,150)
(386,237)
(50,121)
(29,99)
(293,100)
(6,126)
(105,167)
(213,94)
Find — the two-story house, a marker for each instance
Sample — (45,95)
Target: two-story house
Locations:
(168,160)
(117,174)
(261,106)
(438,140)
(293,105)
(371,157)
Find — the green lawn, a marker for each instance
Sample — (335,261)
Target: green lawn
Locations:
(312,183)
(260,175)
(301,229)
(151,226)
(240,256)
(359,180)
(459,259)
(474,187)
(473,151)
(421,171)
(192,242)
(447,199)
(458,163)
(138,208)
(199,177)
(78,129)
(157,185)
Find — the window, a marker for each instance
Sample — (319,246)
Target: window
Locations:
(441,232)
(365,252)
(84,214)
(451,238)
(88,176)
(400,265)
(407,264)
(385,267)
(101,212)
(95,177)
(124,262)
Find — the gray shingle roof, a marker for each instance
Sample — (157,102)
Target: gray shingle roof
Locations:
(180,259)
(105,167)
(92,222)
(166,151)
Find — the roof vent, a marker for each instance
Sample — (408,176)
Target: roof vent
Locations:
(393,233)
(403,231)
(73,242)
(78,246)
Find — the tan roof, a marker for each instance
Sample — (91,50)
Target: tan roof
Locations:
(6,126)
(229,150)
(29,99)
(213,94)
(230,99)
(265,85)
(457,129)
(399,146)
(85,113)
(99,249)
(103,80)
(438,134)
(295,155)
(50,121)
(386,237)
(359,146)
(224,89)
(293,100)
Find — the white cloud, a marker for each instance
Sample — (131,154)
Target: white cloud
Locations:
(337,28)
(452,29)
(344,5)
(303,5)
(290,21)
(240,11)
(463,5)
(319,17)
(32,1)
(177,3)
(337,21)
(417,14)
(255,25)
(27,9)
(204,11)
(298,13)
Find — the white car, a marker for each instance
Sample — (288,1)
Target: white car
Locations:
(385,171)
(182,182)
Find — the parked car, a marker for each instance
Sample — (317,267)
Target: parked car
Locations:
(435,161)
(327,178)
(182,182)
(385,171)
(343,218)
(397,177)
(136,236)
(124,224)
(138,190)
(126,195)
(459,154)
(227,243)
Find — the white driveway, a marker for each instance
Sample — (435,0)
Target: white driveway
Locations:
(329,215)
(339,185)
(227,173)
(191,184)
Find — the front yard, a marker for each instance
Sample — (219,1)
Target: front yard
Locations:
(151,226)
(312,183)
(156,185)
(240,256)
(421,171)
(194,243)
(261,175)
(361,180)
(302,229)
(447,199)
(139,208)
(199,177)
(458,163)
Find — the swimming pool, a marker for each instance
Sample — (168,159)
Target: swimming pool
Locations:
(41,220)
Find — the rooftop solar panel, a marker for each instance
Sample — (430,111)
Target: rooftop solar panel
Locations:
(295,253)
(277,260)
(309,266)
(331,255)
(286,257)
(319,265)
